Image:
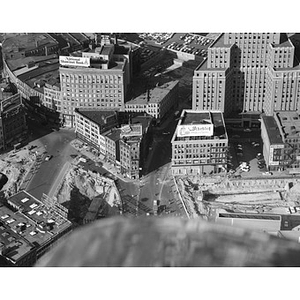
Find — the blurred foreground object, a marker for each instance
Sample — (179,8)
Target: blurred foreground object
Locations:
(3,180)
(169,242)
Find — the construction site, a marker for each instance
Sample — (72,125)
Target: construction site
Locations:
(77,190)
(201,195)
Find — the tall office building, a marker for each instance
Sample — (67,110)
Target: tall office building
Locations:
(97,80)
(248,72)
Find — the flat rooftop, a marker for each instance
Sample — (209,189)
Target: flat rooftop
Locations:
(132,130)
(290,122)
(156,94)
(42,222)
(195,117)
(96,116)
(272,130)
(21,42)
(191,118)
(44,68)
(16,246)
(220,43)
(114,134)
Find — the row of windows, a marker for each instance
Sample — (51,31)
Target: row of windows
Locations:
(178,146)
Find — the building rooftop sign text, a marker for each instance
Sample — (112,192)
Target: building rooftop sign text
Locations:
(74,61)
(195,130)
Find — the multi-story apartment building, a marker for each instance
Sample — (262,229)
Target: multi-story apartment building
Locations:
(273,145)
(248,72)
(134,145)
(130,150)
(126,147)
(90,126)
(96,80)
(199,143)
(28,229)
(281,139)
(112,146)
(13,122)
(156,101)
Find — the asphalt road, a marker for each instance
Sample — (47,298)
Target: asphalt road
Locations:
(57,144)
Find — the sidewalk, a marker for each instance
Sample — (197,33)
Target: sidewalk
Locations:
(78,145)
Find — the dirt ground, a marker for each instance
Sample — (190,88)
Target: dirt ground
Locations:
(16,166)
(254,200)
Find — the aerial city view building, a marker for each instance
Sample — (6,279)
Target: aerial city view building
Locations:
(95,126)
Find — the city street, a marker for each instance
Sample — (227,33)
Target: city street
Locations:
(56,143)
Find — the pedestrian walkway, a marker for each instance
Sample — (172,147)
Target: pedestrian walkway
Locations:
(79,146)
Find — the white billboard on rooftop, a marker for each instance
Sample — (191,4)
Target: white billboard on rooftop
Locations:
(74,61)
(195,130)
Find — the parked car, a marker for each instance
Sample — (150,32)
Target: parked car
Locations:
(48,157)
(236,136)
(247,130)
(259,156)
(267,173)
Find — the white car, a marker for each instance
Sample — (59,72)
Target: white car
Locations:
(267,173)
(244,164)
(247,130)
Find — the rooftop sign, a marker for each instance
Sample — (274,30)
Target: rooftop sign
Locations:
(132,130)
(195,130)
(74,61)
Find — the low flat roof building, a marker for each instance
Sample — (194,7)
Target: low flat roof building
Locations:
(39,225)
(199,143)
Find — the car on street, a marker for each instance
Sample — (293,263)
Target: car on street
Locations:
(259,156)
(237,176)
(267,173)
(236,136)
(48,157)
(247,130)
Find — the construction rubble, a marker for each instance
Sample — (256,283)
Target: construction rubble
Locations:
(200,195)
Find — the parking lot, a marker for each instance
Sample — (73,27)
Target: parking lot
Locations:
(245,160)
(245,155)
(191,43)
